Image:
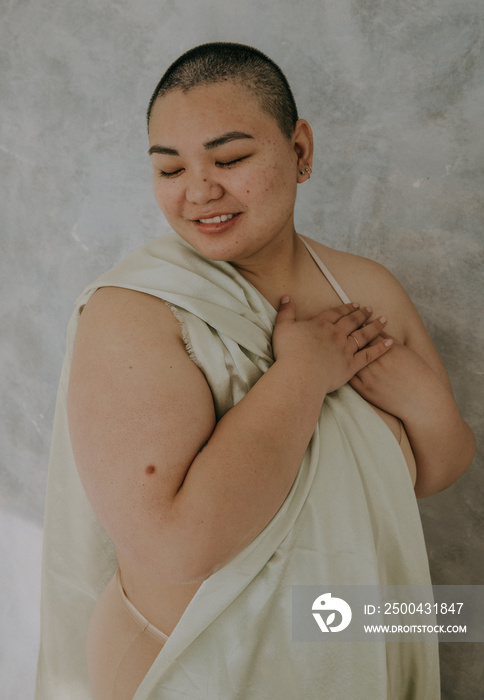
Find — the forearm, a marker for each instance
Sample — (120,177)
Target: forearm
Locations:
(240,479)
(418,391)
(443,444)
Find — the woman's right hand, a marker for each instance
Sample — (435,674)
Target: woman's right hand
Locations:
(333,346)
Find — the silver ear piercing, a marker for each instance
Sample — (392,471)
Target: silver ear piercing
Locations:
(307,170)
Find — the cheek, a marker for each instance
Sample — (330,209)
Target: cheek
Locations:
(274,184)
(264,183)
(277,173)
(163,195)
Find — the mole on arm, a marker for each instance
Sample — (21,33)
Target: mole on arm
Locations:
(150,469)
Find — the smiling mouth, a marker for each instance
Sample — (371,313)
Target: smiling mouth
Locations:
(217,219)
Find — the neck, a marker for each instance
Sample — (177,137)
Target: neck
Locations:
(277,269)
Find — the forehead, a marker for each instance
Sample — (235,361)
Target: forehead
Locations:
(206,111)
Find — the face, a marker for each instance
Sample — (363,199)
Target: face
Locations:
(224,174)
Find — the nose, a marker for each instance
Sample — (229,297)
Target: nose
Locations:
(201,188)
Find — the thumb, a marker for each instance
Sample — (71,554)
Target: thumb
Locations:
(287,309)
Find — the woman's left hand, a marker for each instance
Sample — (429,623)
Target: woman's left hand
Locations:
(399,382)
(402,383)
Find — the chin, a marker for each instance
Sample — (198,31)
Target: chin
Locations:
(216,247)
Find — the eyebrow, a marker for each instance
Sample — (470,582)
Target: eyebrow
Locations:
(214,143)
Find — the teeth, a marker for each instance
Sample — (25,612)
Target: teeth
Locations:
(217,219)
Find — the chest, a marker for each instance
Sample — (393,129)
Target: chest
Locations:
(316,294)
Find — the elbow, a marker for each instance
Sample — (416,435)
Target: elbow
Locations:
(190,566)
(177,553)
(198,562)
(433,480)
(161,564)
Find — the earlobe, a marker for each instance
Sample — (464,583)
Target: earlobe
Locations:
(306,173)
(303,147)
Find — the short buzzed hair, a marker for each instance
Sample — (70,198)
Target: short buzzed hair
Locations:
(222,61)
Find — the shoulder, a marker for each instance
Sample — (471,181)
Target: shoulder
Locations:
(126,312)
(371,283)
(348,266)
(122,329)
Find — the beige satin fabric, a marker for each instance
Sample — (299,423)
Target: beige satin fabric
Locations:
(350,518)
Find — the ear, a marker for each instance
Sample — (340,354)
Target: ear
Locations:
(302,141)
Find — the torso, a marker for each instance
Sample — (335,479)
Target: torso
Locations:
(164,603)
(352,287)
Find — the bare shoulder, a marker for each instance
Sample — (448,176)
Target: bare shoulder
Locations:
(128,355)
(124,311)
(370,283)
(339,261)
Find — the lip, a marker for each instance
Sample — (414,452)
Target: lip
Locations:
(216,227)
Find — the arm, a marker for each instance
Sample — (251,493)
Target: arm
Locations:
(179,494)
(412,383)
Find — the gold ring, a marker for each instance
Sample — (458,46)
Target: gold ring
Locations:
(356,341)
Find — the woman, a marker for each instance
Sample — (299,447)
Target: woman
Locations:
(240,424)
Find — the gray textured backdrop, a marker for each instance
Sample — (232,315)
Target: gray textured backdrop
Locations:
(394,90)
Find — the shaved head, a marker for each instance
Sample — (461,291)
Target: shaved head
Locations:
(218,62)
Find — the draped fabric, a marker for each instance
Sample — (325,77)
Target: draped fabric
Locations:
(350,518)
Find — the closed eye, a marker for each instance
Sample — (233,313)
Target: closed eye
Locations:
(219,164)
(173,173)
(230,163)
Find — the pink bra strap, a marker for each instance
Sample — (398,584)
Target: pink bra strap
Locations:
(339,291)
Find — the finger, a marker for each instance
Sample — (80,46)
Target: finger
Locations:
(370,353)
(367,334)
(358,318)
(287,309)
(352,336)
(352,315)
(387,335)
(334,314)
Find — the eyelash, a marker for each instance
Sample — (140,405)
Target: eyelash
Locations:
(228,164)
(168,175)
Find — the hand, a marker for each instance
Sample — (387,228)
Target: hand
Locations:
(332,346)
(400,383)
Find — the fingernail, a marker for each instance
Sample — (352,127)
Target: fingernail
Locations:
(369,309)
(387,343)
(285,299)
(356,305)
(383,319)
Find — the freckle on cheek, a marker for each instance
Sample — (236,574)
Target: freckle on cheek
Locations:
(150,469)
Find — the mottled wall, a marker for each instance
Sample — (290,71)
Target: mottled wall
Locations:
(395,92)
